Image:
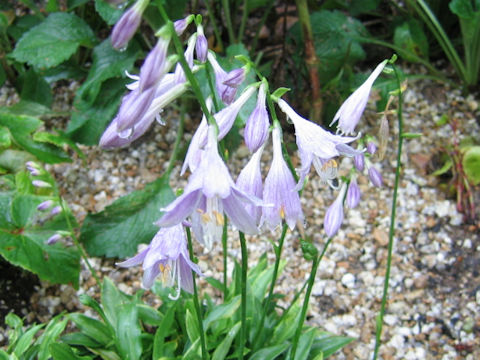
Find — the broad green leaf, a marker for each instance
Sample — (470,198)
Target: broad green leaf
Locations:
(328,343)
(163,331)
(117,231)
(66,70)
(90,120)
(128,332)
(22,25)
(223,311)
(27,108)
(53,41)
(471,164)
(54,263)
(222,349)
(59,139)
(335,41)
(4,137)
(36,89)
(72,4)
(61,351)
(465,8)
(53,330)
(284,329)
(107,63)
(108,12)
(192,326)
(410,37)
(80,339)
(304,344)
(92,328)
(21,127)
(270,352)
(112,300)
(25,339)
(149,315)
(357,7)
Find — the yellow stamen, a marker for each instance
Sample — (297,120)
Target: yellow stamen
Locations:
(218,218)
(282,211)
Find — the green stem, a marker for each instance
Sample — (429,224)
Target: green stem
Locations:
(378,333)
(311,281)
(80,248)
(178,139)
(228,19)
(214,25)
(278,255)
(213,90)
(195,299)
(188,72)
(243,308)
(225,253)
(243,22)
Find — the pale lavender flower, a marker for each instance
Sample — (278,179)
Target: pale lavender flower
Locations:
(181,25)
(256,128)
(56,210)
(41,184)
(45,205)
(194,152)
(209,193)
(227,93)
(134,106)
(33,171)
(155,65)
(279,191)
(165,93)
(225,118)
(375,176)
(318,146)
(235,77)
(126,26)
(351,110)
(201,46)
(54,239)
(353,193)
(359,162)
(250,181)
(167,254)
(371,148)
(334,215)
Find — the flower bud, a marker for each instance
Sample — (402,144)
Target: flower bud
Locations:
(153,68)
(256,128)
(201,46)
(53,239)
(133,107)
(126,26)
(359,161)
(41,184)
(375,177)
(371,148)
(353,194)
(181,25)
(334,216)
(56,210)
(45,205)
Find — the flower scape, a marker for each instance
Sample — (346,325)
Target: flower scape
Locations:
(249,204)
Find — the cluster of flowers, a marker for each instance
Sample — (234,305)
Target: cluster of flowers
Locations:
(211,193)
(49,207)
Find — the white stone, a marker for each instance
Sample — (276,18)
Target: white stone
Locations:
(348,280)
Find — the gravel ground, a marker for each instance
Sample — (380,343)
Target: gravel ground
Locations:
(433,307)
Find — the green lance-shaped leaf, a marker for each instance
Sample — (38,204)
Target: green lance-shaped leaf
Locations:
(471,164)
(53,41)
(117,231)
